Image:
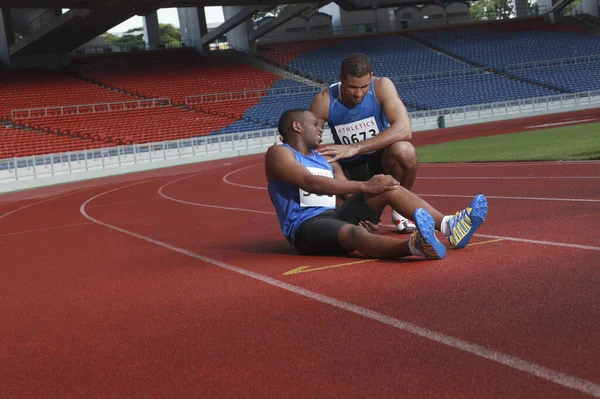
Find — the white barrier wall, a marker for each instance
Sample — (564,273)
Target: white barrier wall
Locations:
(43,170)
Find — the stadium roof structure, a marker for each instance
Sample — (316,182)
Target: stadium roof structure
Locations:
(146,6)
(87,19)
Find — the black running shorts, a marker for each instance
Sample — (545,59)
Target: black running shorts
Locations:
(363,171)
(319,235)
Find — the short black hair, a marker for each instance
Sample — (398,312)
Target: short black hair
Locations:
(356,65)
(287,120)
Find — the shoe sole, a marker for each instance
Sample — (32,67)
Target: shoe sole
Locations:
(479,208)
(426,227)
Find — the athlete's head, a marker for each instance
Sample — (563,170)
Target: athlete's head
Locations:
(300,125)
(355,78)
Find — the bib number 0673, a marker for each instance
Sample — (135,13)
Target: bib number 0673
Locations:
(356,137)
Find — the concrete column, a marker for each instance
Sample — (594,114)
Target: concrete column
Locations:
(192,23)
(545,6)
(591,7)
(238,36)
(151,31)
(521,7)
(7,35)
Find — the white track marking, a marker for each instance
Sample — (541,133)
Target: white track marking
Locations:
(513,198)
(516,363)
(16,233)
(505,177)
(162,194)
(539,242)
(438,195)
(509,164)
(561,123)
(239,170)
(124,203)
(38,202)
(554,244)
(226,180)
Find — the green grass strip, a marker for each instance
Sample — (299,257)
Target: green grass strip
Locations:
(581,142)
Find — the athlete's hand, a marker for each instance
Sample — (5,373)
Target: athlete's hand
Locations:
(369,226)
(380,183)
(337,152)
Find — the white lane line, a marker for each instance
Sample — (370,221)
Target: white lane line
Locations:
(551,243)
(39,202)
(516,363)
(434,195)
(239,170)
(513,198)
(554,244)
(64,226)
(162,194)
(562,123)
(504,177)
(124,202)
(509,164)
(539,242)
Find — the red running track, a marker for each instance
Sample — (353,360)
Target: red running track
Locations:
(172,283)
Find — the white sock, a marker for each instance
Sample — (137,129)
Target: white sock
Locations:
(445,227)
(413,249)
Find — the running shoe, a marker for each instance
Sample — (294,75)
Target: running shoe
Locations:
(403,225)
(464,223)
(424,238)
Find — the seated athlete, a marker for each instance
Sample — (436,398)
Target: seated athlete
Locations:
(303,186)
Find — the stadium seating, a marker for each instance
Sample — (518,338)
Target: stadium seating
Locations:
(500,49)
(572,78)
(21,143)
(132,125)
(431,69)
(478,89)
(173,74)
(36,88)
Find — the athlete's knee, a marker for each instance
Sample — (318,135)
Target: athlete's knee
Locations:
(405,154)
(349,235)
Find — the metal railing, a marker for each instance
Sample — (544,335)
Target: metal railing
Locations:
(110,48)
(88,108)
(31,167)
(249,94)
(458,73)
(38,166)
(512,107)
(587,59)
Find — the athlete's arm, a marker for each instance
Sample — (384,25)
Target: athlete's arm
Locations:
(338,173)
(400,128)
(320,107)
(280,164)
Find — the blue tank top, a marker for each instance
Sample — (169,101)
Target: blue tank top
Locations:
(350,125)
(294,205)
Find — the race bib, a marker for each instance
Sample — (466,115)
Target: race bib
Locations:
(311,199)
(357,131)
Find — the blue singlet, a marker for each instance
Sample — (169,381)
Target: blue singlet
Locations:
(350,125)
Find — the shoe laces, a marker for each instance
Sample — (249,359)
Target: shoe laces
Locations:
(460,224)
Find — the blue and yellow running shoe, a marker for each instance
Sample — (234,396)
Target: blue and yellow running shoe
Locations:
(424,238)
(464,223)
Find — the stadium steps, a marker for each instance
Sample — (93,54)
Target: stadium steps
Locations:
(103,85)
(495,71)
(585,21)
(270,66)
